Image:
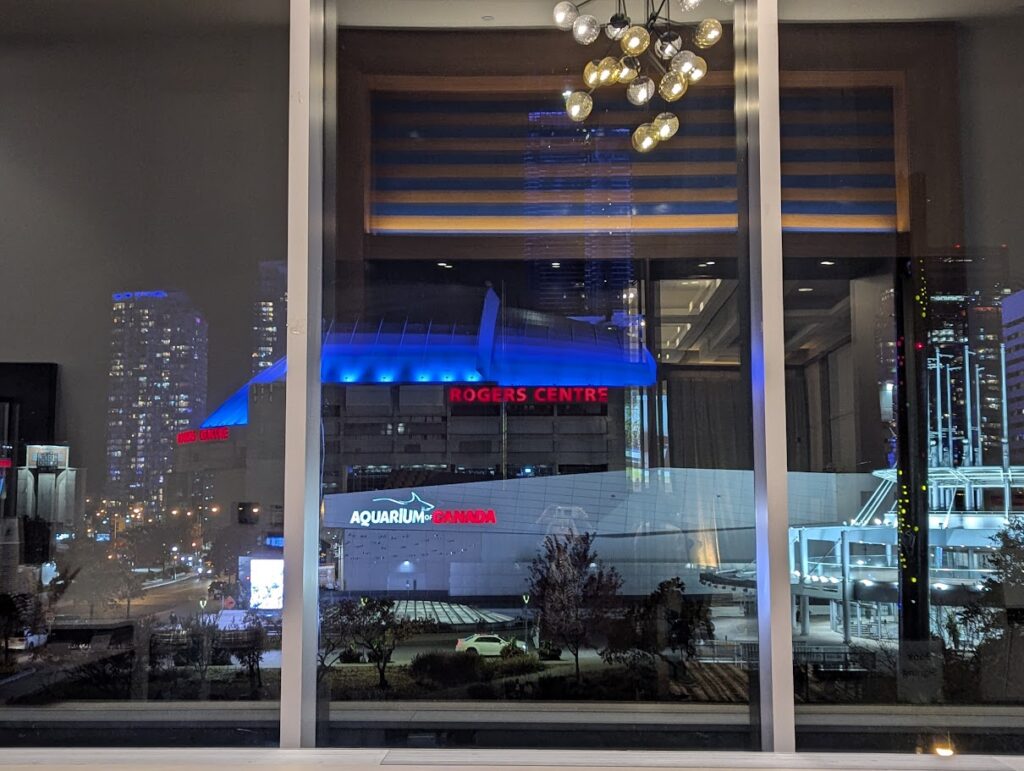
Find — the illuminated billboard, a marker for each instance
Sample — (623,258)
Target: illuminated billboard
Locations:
(266,584)
(46,456)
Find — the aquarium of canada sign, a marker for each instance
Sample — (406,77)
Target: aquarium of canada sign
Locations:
(416,511)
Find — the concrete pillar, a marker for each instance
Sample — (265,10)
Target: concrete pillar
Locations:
(805,620)
(847,585)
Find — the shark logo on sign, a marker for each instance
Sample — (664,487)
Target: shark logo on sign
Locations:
(415,498)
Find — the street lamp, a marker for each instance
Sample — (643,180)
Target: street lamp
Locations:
(526,619)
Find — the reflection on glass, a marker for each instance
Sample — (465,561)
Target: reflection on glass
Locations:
(530,482)
(128,512)
(492,500)
(903,305)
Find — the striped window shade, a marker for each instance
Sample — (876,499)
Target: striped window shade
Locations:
(460,163)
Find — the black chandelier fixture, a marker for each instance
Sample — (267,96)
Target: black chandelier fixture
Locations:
(648,57)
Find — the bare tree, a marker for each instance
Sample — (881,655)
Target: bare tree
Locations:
(335,639)
(664,627)
(250,645)
(373,625)
(202,636)
(574,591)
(142,639)
(90,572)
(126,586)
(997,619)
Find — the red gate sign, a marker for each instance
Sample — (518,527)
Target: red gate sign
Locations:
(216,434)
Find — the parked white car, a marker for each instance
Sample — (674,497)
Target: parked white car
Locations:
(26,641)
(486,644)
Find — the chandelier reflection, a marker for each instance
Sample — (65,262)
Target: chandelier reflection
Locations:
(650,58)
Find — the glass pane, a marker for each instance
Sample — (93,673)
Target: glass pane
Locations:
(902,313)
(140,518)
(538,504)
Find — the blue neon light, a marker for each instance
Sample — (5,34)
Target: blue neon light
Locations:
(579,354)
(122,296)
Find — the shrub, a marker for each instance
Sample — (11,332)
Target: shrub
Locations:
(515,665)
(511,650)
(350,656)
(559,688)
(548,651)
(219,657)
(447,668)
(480,691)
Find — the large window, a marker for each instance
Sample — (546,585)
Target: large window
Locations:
(532,463)
(143,285)
(536,399)
(905,536)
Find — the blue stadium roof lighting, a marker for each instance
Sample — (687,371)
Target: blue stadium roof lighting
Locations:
(528,349)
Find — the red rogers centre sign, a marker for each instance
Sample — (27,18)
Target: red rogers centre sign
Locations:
(528,395)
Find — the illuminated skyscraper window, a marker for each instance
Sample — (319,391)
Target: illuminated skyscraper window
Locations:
(142,424)
(268,316)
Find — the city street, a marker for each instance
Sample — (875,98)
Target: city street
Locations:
(180,596)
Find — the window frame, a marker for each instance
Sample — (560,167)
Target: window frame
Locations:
(312,166)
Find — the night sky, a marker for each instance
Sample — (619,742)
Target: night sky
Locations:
(154,163)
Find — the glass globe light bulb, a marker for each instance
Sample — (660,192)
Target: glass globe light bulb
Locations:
(682,63)
(629,68)
(672,86)
(635,41)
(689,5)
(578,105)
(608,71)
(668,45)
(565,14)
(617,26)
(689,65)
(699,70)
(708,33)
(586,29)
(645,138)
(641,90)
(666,124)
(591,73)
